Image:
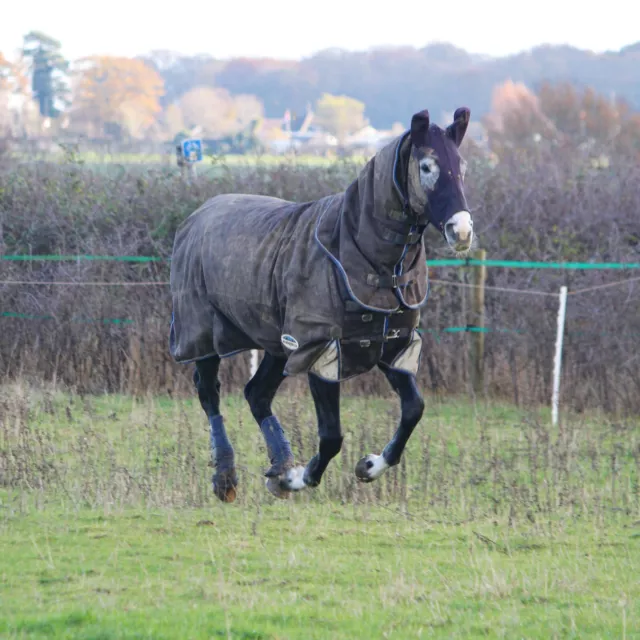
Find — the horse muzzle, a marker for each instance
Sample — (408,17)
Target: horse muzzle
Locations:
(458,231)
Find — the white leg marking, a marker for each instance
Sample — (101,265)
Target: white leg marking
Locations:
(371,467)
(293,479)
(379,466)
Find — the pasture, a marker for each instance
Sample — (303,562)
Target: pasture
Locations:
(494,525)
(212,165)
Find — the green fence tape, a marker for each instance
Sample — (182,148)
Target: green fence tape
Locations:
(23,316)
(453,262)
(518,264)
(26,316)
(62,258)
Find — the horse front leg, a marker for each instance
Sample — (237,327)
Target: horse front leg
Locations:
(404,384)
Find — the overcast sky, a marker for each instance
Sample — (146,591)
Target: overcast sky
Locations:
(255,28)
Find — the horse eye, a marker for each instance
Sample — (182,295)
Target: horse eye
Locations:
(425,168)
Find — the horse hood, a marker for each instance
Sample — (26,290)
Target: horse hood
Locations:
(372,234)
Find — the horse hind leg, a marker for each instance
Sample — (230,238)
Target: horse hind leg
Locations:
(224,479)
(371,467)
(259,393)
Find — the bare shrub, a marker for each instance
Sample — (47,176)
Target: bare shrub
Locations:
(543,205)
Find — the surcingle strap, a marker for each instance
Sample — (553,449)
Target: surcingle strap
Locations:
(399,238)
(393,334)
(393,281)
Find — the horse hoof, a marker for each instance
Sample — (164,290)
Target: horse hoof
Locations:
(224,485)
(229,496)
(275,488)
(371,467)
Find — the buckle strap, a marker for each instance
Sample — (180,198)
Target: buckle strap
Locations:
(392,281)
(399,238)
(403,332)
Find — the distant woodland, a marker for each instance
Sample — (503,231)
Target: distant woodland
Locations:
(159,95)
(394,83)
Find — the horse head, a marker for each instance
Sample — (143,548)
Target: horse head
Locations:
(436,177)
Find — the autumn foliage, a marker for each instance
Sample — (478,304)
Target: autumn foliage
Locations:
(214,98)
(560,114)
(115,92)
(340,115)
(5,69)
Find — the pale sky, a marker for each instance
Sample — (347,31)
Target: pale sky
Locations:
(263,28)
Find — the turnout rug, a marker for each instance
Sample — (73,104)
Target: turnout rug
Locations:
(334,285)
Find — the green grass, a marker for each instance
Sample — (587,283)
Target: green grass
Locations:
(231,159)
(495,525)
(296,571)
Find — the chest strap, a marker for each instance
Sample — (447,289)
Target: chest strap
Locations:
(392,281)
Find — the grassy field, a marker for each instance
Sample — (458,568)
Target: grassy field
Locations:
(209,163)
(495,525)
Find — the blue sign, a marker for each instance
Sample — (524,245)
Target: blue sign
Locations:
(192,150)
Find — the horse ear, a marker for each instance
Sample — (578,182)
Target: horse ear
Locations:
(458,127)
(420,128)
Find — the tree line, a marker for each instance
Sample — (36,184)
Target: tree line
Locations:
(558,91)
(135,98)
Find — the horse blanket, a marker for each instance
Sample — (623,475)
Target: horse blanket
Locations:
(334,285)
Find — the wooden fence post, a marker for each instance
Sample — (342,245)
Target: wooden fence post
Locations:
(477,323)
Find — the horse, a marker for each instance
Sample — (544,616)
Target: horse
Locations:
(329,288)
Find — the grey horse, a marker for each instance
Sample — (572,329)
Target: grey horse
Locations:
(329,288)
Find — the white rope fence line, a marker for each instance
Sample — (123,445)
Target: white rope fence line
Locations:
(536,292)
(604,286)
(72,283)
(490,288)
(152,283)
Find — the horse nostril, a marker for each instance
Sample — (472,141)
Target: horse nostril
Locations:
(449,230)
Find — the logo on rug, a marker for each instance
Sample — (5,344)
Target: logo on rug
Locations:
(289,342)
